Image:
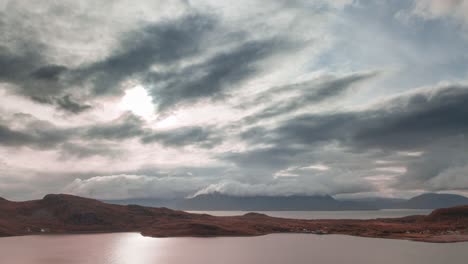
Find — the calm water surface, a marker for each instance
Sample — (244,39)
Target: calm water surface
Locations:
(132,248)
(329,214)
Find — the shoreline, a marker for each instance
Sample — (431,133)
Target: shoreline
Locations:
(442,239)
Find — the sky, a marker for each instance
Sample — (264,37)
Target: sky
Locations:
(170,99)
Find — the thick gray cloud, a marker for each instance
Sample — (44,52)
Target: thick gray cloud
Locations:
(10,137)
(25,64)
(213,77)
(35,133)
(309,93)
(24,68)
(203,137)
(17,66)
(431,122)
(442,166)
(42,134)
(404,123)
(48,72)
(125,127)
(66,103)
(161,43)
(417,120)
(73,150)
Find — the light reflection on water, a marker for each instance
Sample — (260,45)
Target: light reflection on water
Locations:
(134,248)
(126,248)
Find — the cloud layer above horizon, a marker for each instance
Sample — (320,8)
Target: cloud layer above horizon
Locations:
(167,99)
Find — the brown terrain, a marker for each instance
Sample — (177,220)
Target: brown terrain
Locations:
(60,214)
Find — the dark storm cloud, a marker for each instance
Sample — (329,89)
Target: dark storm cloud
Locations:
(41,134)
(24,63)
(9,137)
(67,103)
(418,120)
(19,56)
(163,43)
(199,136)
(129,126)
(43,84)
(267,159)
(22,66)
(309,92)
(125,127)
(48,72)
(98,139)
(214,76)
(406,122)
(79,151)
(16,65)
(438,159)
(166,44)
(423,121)
(36,134)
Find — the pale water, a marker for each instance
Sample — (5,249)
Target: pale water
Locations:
(132,248)
(371,214)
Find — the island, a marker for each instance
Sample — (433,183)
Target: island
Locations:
(68,214)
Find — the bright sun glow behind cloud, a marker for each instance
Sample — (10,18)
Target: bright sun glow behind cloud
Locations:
(138,101)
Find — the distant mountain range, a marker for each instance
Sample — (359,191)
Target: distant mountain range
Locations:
(221,202)
(218,201)
(432,201)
